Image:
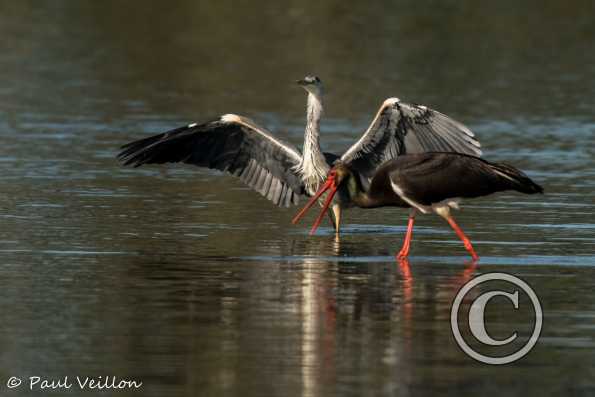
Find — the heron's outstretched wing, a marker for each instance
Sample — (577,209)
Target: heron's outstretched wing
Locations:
(401,128)
(233,144)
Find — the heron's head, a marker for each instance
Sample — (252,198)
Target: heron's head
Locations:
(312,84)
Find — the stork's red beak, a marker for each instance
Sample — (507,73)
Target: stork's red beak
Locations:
(328,184)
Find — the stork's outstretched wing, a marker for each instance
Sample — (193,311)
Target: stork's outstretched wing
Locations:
(232,143)
(401,128)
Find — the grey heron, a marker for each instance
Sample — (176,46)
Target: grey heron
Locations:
(278,171)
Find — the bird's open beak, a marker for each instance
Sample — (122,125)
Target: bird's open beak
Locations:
(328,184)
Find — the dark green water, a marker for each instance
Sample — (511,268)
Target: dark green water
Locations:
(186,280)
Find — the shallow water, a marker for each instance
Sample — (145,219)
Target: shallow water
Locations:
(186,280)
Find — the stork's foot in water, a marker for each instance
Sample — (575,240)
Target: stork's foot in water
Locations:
(463,238)
(404,253)
(407,243)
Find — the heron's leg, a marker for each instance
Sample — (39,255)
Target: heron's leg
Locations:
(337,214)
(332,220)
(462,236)
(407,243)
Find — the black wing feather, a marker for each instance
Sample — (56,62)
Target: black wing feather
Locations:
(246,151)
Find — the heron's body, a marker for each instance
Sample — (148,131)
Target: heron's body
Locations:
(425,182)
(278,171)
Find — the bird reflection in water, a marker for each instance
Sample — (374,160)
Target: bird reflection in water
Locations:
(407,282)
(338,297)
(319,313)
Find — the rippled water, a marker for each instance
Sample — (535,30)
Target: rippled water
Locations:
(185,279)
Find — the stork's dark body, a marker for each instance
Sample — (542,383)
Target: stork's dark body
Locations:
(431,178)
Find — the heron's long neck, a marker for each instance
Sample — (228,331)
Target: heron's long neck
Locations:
(312,151)
(313,166)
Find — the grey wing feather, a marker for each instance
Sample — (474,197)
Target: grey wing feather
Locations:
(233,144)
(401,128)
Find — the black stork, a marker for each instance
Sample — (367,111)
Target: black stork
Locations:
(278,171)
(424,182)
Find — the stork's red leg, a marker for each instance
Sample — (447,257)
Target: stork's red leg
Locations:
(406,244)
(462,236)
